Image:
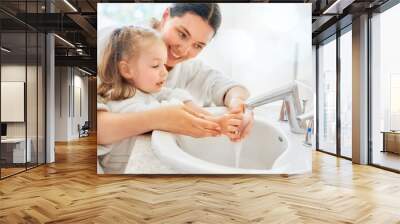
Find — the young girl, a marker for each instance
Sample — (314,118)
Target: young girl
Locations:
(132,74)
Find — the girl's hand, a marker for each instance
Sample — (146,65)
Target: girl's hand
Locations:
(229,123)
(183,119)
(195,109)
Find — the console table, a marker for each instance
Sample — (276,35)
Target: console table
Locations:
(391,141)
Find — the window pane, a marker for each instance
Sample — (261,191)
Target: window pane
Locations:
(41,98)
(327,97)
(31,96)
(386,88)
(346,94)
(14,153)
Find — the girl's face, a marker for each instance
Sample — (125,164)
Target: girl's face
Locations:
(148,72)
(185,36)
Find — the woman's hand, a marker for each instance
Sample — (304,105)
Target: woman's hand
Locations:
(247,125)
(183,119)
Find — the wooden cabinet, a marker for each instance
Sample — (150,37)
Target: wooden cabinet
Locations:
(391,142)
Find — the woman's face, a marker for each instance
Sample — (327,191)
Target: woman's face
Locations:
(185,36)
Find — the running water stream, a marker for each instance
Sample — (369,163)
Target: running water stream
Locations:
(237,148)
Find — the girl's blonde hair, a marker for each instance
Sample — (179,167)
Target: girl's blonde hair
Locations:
(124,43)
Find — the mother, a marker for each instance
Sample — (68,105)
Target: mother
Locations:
(186,29)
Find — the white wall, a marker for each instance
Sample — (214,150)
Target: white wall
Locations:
(262,46)
(68,82)
(12,73)
(34,125)
(79,117)
(262,49)
(61,103)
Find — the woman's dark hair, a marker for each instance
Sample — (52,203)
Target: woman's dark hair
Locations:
(210,12)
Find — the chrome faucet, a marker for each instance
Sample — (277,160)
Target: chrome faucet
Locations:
(290,95)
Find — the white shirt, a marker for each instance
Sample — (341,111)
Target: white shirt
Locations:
(139,102)
(142,101)
(207,85)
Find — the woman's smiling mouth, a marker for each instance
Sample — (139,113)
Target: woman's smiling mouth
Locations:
(174,55)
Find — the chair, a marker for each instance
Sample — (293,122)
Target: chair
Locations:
(84,130)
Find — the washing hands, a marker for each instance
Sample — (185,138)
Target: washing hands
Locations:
(230,124)
(236,123)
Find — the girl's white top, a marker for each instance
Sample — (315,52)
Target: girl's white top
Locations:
(141,101)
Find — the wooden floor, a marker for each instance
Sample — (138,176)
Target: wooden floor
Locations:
(70,191)
(10,171)
(388,159)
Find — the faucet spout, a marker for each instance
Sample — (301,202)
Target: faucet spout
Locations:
(290,94)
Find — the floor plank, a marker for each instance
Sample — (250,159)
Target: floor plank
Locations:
(70,191)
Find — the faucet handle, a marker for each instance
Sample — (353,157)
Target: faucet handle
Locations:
(303,110)
(306,116)
(248,107)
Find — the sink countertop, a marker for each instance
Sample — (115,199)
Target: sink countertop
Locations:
(142,160)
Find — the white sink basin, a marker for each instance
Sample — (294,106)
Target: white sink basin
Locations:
(264,151)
